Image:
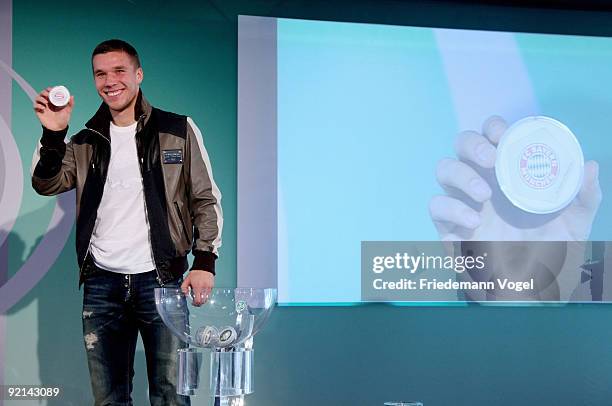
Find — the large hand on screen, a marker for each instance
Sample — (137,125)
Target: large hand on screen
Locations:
(474,208)
(52,117)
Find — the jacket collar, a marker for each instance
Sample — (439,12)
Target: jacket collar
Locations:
(100,121)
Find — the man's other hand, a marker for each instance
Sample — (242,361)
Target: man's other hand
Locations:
(201,283)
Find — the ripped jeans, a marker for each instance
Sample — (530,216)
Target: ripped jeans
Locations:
(116,307)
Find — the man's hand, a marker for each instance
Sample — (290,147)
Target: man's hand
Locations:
(201,283)
(52,117)
(475,208)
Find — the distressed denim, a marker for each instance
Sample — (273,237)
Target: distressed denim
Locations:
(116,307)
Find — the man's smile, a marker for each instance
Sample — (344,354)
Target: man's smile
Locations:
(113,93)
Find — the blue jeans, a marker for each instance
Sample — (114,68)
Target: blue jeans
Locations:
(116,307)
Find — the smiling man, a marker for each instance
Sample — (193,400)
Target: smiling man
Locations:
(145,198)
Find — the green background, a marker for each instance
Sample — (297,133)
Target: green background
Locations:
(361,355)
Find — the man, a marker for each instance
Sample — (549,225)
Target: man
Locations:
(145,197)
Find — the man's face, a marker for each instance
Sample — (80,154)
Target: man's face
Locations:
(117,79)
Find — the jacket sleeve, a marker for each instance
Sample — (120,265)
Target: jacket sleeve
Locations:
(205,202)
(53,165)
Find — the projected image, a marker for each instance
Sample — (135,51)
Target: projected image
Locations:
(387,133)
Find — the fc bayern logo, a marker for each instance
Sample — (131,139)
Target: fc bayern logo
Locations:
(539,166)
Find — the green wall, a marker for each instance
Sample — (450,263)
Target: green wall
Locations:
(360,355)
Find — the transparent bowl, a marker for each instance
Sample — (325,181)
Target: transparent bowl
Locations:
(226,319)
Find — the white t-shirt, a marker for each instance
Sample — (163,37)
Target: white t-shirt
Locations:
(120,240)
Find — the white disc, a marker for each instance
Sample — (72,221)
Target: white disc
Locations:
(59,96)
(539,165)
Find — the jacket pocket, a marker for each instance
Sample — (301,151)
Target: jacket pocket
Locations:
(181,222)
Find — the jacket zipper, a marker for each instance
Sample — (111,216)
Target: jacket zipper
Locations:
(93,165)
(84,259)
(99,133)
(140,162)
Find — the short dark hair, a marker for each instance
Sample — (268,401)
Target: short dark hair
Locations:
(116,45)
